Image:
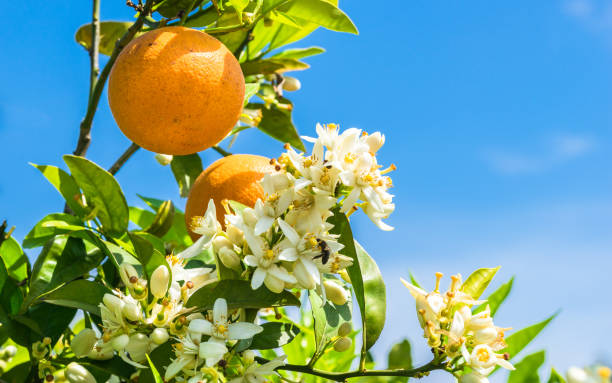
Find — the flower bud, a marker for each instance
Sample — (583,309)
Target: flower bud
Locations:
(159,335)
(101,351)
(229,258)
(335,293)
(375,141)
(159,281)
(249,216)
(132,311)
(248,356)
(138,347)
(221,242)
(345,329)
(342,344)
(127,272)
(577,375)
(120,342)
(274,284)
(75,373)
(291,84)
(473,377)
(83,342)
(235,235)
(115,304)
(304,278)
(163,159)
(485,335)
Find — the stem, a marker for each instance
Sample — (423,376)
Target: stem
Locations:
(94,50)
(123,159)
(96,92)
(187,12)
(343,376)
(221,151)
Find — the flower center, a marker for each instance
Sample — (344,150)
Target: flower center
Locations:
(269,254)
(221,329)
(483,355)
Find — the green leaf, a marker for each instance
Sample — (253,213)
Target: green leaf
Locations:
(43,268)
(161,356)
(366,279)
(517,341)
(19,374)
(149,258)
(52,320)
(50,226)
(156,376)
(250,91)
(186,169)
(527,369)
(328,318)
(277,123)
(496,298)
(400,356)
(239,6)
(114,366)
(202,18)
(176,236)
(80,294)
(110,32)
(272,65)
(14,259)
(239,294)
(414,281)
(555,377)
(162,220)
(171,8)
(298,53)
(478,281)
(274,334)
(320,12)
(65,184)
(103,191)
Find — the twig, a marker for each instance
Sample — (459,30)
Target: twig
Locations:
(94,50)
(85,129)
(221,151)
(123,158)
(343,376)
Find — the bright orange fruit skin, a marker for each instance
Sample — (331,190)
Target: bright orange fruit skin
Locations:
(176,90)
(233,177)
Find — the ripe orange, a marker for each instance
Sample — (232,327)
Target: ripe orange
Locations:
(176,90)
(233,177)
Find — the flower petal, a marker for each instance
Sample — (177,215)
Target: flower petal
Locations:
(289,232)
(201,326)
(220,311)
(258,277)
(243,330)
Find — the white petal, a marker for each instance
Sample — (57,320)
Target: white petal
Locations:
(220,311)
(289,254)
(212,351)
(256,244)
(200,245)
(175,367)
(201,326)
(415,291)
(505,364)
(251,260)
(350,201)
(258,278)
(243,330)
(281,274)
(263,224)
(289,232)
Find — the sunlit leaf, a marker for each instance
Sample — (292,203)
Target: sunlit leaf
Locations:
(110,32)
(186,169)
(154,372)
(278,124)
(555,377)
(320,12)
(400,356)
(43,231)
(239,294)
(328,318)
(527,369)
(65,184)
(272,65)
(517,341)
(14,259)
(80,294)
(250,90)
(298,53)
(496,298)
(274,334)
(478,281)
(162,220)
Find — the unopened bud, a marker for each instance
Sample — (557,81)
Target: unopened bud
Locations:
(335,293)
(375,141)
(120,342)
(159,335)
(159,281)
(221,242)
(291,84)
(83,342)
(345,329)
(485,335)
(46,340)
(274,284)
(75,373)
(248,356)
(138,347)
(249,216)
(132,311)
(163,159)
(342,344)
(229,258)
(128,274)
(304,278)
(115,304)
(235,235)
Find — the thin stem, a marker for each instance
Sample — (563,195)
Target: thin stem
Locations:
(221,151)
(94,50)
(343,376)
(85,128)
(123,158)
(187,12)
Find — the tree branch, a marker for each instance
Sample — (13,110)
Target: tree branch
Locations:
(123,158)
(343,376)
(221,151)
(96,92)
(94,50)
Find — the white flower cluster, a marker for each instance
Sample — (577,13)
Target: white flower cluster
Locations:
(450,327)
(285,240)
(594,374)
(132,324)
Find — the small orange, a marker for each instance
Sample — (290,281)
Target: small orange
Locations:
(176,90)
(233,177)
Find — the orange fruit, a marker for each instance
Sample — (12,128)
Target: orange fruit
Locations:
(233,177)
(176,90)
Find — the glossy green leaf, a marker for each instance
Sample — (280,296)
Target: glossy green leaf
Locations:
(328,318)
(110,32)
(21,373)
(278,124)
(555,377)
(274,334)
(527,369)
(414,281)
(154,372)
(176,236)
(250,91)
(149,258)
(14,259)
(43,268)
(478,281)
(50,226)
(102,191)
(239,294)
(496,298)
(161,356)
(80,294)
(162,220)
(272,65)
(320,12)
(65,184)
(186,169)
(114,366)
(171,8)
(298,53)
(400,356)
(517,341)
(51,320)
(202,18)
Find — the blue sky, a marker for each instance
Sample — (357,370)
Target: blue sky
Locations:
(498,116)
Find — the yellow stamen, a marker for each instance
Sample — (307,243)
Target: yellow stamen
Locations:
(221,329)
(269,254)
(604,372)
(196,222)
(454,284)
(353,209)
(226,206)
(483,355)
(389,169)
(438,278)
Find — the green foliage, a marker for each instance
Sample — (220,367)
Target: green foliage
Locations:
(186,169)
(14,259)
(80,294)
(154,372)
(327,318)
(50,226)
(66,185)
(239,294)
(274,335)
(277,122)
(496,298)
(110,32)
(478,281)
(555,377)
(527,369)
(400,355)
(517,341)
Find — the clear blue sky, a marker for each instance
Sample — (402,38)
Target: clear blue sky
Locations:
(497,114)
